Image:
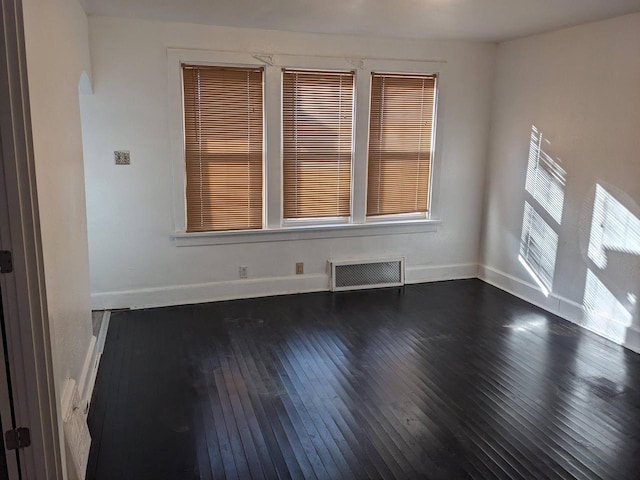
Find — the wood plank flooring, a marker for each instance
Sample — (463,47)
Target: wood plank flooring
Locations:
(446,380)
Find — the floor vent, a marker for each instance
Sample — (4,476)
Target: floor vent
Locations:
(357,275)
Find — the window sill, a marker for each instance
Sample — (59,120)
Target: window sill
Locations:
(306,232)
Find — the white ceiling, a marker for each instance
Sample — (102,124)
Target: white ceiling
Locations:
(490,20)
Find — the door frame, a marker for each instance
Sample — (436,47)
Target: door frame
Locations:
(23,290)
(6,404)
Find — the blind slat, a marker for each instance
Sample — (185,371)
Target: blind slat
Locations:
(400,138)
(317,136)
(223,123)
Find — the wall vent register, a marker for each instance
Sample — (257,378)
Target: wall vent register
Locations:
(357,275)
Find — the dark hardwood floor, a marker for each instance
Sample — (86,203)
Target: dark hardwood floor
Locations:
(446,380)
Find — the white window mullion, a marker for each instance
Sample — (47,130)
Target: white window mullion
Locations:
(273,147)
(361,146)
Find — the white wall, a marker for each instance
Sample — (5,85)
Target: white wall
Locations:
(578,86)
(134,261)
(57,48)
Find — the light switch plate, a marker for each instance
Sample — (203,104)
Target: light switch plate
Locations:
(122,157)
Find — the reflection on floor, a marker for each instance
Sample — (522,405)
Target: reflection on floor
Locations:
(446,380)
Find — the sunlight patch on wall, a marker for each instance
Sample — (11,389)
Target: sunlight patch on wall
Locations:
(545,184)
(546,179)
(538,246)
(613,228)
(604,313)
(610,295)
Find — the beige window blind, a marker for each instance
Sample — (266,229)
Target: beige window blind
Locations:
(317,143)
(223,125)
(400,143)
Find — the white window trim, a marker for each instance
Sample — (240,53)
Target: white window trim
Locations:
(313,221)
(276,228)
(292,222)
(305,232)
(176,59)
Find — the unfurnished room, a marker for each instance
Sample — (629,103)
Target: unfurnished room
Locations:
(394,239)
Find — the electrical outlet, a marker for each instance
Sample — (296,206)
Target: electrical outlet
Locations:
(122,157)
(243,271)
(299,268)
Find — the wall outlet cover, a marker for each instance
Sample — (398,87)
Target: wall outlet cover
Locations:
(243,271)
(122,157)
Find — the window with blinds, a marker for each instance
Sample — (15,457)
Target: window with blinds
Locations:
(317,134)
(400,143)
(223,125)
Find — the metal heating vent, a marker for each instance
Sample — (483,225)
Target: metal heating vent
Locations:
(355,275)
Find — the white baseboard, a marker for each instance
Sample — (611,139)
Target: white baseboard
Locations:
(264,287)
(529,292)
(90,381)
(252,288)
(85,373)
(427,273)
(87,379)
(556,304)
(632,341)
(75,403)
(210,292)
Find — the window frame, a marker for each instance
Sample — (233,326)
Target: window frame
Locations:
(311,221)
(399,217)
(178,58)
(263,153)
(274,226)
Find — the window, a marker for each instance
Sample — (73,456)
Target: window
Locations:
(400,143)
(223,129)
(317,140)
(278,146)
